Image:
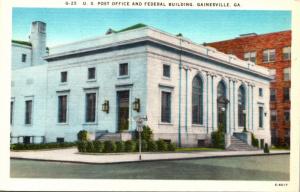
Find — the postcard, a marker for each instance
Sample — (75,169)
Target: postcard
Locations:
(149,95)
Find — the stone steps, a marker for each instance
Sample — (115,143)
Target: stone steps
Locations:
(239,145)
(109,137)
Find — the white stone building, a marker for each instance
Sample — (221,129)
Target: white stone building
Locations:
(185,89)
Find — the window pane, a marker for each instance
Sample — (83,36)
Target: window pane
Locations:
(166,70)
(286,94)
(64,76)
(273,115)
(166,107)
(287,74)
(28,111)
(265,56)
(286,53)
(197,101)
(241,105)
(62,109)
(23,58)
(11,111)
(286,115)
(272,55)
(123,69)
(90,107)
(92,73)
(261,111)
(273,95)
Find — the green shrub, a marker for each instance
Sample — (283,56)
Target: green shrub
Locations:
(254,140)
(32,146)
(218,140)
(161,145)
(152,146)
(109,147)
(90,147)
(146,134)
(144,145)
(266,148)
(130,146)
(82,135)
(120,146)
(82,146)
(171,146)
(98,146)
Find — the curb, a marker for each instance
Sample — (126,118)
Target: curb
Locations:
(149,160)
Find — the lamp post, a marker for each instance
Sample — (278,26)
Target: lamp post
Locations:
(139,127)
(223,109)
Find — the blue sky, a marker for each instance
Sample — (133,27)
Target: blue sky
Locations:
(67,25)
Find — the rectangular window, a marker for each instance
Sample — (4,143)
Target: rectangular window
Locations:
(287,115)
(62,109)
(167,71)
(92,73)
(123,69)
(269,55)
(273,74)
(166,107)
(273,115)
(272,94)
(28,112)
(64,76)
(250,56)
(24,58)
(261,117)
(260,90)
(286,52)
(60,140)
(287,74)
(90,111)
(11,112)
(286,94)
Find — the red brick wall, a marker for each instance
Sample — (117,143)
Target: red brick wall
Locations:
(259,43)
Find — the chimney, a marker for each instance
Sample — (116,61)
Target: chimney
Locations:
(38,41)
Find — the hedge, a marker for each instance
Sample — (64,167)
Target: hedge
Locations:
(127,146)
(32,146)
(254,140)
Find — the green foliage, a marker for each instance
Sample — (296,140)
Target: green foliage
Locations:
(90,147)
(152,146)
(266,148)
(82,146)
(147,133)
(217,137)
(144,145)
(171,146)
(82,135)
(254,140)
(161,145)
(109,147)
(120,146)
(21,146)
(130,146)
(98,146)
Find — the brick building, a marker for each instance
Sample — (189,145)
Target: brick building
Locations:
(272,50)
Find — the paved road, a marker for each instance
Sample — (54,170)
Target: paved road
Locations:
(274,167)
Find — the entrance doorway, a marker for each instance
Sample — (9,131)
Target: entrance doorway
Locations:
(123,110)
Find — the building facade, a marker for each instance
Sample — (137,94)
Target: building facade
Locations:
(272,50)
(186,90)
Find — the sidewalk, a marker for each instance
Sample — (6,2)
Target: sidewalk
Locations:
(72,155)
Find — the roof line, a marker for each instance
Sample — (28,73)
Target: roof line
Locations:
(243,37)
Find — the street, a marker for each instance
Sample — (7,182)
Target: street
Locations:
(264,168)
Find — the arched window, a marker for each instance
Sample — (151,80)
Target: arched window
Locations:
(241,105)
(221,89)
(197,101)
